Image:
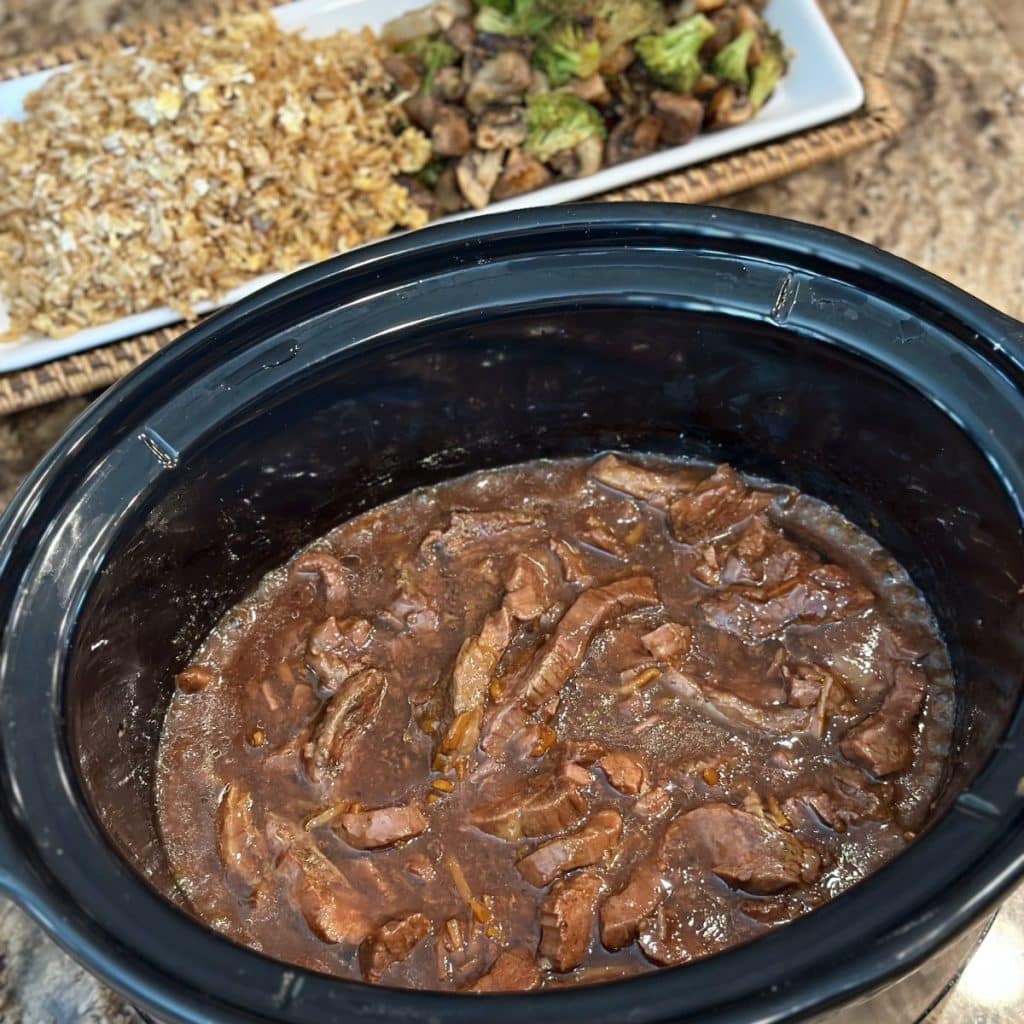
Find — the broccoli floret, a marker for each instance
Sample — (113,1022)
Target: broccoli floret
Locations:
(557,121)
(672,56)
(516,18)
(730,63)
(433,53)
(622,21)
(767,72)
(565,52)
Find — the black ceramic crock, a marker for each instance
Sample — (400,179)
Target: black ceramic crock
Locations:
(790,351)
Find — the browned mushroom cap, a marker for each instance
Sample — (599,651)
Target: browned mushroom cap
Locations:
(423,109)
(447,192)
(477,174)
(402,70)
(584,160)
(523,173)
(450,135)
(498,80)
(727,108)
(746,18)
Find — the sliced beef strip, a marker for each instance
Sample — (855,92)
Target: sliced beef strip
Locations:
(335,651)
(622,912)
(883,743)
(743,849)
(725,707)
(528,594)
(543,805)
(343,719)
(471,533)
(462,950)
(625,772)
(390,944)
(714,506)
(384,826)
(574,566)
(846,798)
(826,593)
(241,846)
(317,888)
(567,919)
(578,849)
(514,971)
(651,485)
(559,658)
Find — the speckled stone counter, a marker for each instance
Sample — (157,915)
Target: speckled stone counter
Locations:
(947,194)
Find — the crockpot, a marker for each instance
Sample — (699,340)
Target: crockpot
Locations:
(791,352)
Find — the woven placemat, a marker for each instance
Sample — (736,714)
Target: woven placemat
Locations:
(875,121)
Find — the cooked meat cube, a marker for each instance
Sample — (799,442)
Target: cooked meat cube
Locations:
(567,919)
(625,772)
(622,912)
(715,505)
(578,849)
(632,138)
(242,849)
(328,568)
(522,173)
(847,798)
(450,134)
(503,78)
(539,806)
(668,642)
(514,971)
(556,661)
(343,719)
(742,849)
(385,826)
(679,117)
(883,743)
(390,944)
(318,889)
(501,128)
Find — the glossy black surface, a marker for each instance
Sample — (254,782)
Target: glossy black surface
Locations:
(789,351)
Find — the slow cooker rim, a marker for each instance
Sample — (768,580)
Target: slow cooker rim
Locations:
(625,218)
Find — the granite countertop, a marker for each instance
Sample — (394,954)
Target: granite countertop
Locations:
(948,194)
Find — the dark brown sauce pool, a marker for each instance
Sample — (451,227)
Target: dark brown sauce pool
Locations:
(556,723)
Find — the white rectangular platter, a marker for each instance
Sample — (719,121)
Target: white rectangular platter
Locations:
(820,87)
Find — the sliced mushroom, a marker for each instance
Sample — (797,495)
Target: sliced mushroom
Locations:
(450,135)
(401,69)
(523,173)
(616,62)
(593,89)
(632,138)
(503,77)
(582,161)
(727,108)
(501,128)
(423,109)
(477,174)
(447,192)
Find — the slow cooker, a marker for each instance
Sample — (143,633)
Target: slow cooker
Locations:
(789,351)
